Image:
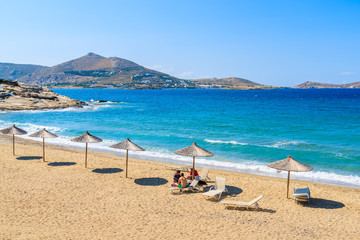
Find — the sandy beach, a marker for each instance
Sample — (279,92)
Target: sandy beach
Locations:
(60,199)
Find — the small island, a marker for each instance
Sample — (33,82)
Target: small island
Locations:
(20,96)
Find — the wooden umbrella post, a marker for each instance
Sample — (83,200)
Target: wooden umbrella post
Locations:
(86,155)
(287,194)
(43,149)
(193,171)
(127,159)
(13,144)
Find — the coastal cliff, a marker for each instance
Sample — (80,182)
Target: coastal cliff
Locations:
(20,96)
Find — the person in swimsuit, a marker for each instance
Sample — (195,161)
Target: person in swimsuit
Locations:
(182,181)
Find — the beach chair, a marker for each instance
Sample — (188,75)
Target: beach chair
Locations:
(204,174)
(218,189)
(192,187)
(175,168)
(240,204)
(302,195)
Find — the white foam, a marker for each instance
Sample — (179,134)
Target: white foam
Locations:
(103,101)
(29,127)
(86,108)
(225,142)
(280,144)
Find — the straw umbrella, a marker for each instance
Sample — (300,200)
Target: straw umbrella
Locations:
(127,145)
(13,131)
(86,138)
(290,164)
(194,151)
(43,134)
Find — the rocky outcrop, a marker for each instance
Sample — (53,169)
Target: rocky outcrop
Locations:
(20,96)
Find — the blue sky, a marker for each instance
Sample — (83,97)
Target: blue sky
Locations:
(281,43)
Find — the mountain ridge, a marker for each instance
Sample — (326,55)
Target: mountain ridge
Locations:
(93,70)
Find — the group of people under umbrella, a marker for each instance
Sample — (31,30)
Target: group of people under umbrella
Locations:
(289,164)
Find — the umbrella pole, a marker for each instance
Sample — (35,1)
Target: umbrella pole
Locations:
(193,172)
(43,149)
(287,194)
(127,159)
(13,144)
(86,155)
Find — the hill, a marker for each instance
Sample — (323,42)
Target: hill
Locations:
(229,83)
(93,70)
(14,71)
(327,85)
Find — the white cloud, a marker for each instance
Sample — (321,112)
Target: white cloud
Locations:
(185,74)
(161,68)
(347,73)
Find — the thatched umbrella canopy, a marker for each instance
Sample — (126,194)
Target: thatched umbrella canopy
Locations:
(127,145)
(13,131)
(43,134)
(194,151)
(290,164)
(86,138)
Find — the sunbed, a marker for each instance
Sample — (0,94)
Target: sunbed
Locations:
(204,174)
(302,195)
(240,204)
(192,187)
(175,168)
(217,190)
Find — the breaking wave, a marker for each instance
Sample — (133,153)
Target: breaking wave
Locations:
(225,142)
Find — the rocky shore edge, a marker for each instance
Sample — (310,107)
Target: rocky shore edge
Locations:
(16,96)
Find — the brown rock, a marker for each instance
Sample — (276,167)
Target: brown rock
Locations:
(19,96)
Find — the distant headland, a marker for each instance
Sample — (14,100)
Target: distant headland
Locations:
(327,85)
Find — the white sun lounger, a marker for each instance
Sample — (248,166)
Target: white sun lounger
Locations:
(302,195)
(175,168)
(204,174)
(217,190)
(240,204)
(192,187)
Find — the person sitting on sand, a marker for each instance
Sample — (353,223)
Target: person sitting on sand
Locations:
(191,173)
(176,178)
(182,181)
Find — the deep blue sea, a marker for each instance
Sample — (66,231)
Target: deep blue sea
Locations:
(245,130)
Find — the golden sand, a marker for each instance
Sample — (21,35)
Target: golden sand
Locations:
(60,199)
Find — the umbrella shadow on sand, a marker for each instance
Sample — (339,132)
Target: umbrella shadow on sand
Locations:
(233,191)
(59,164)
(29,158)
(107,170)
(151,181)
(324,203)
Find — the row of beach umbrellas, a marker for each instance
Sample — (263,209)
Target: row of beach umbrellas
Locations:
(192,151)
(289,164)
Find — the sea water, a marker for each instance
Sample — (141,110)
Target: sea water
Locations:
(245,129)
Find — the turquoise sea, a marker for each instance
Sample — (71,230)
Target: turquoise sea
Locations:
(245,130)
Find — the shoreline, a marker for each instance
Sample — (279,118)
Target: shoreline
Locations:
(162,160)
(254,169)
(61,199)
